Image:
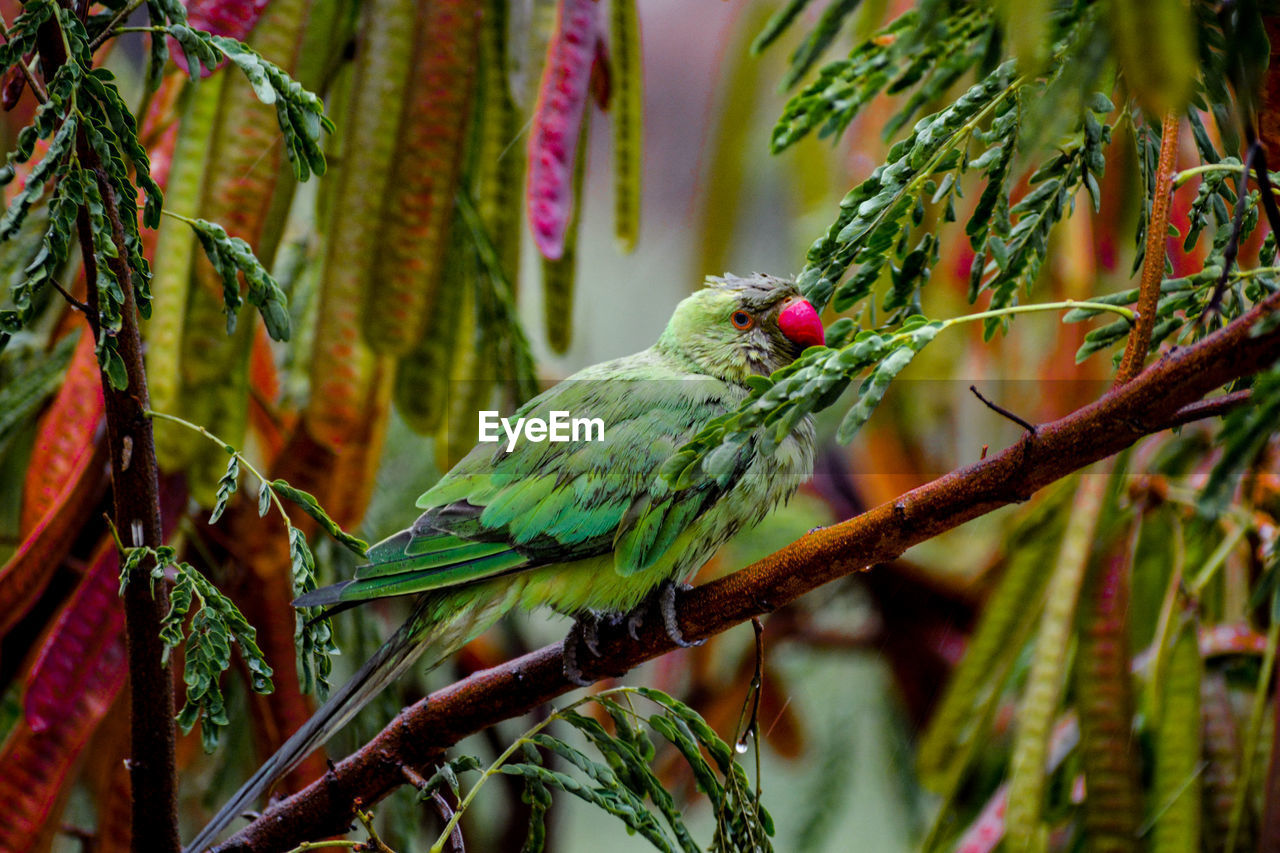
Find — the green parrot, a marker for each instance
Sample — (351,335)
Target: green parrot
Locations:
(588,528)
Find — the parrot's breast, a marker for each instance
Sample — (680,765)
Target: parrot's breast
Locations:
(595,584)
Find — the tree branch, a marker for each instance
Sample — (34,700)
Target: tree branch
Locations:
(136,511)
(136,503)
(1166,394)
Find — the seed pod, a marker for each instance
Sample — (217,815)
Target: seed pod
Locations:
(558,275)
(498,161)
(1155,44)
(341,363)
(557,118)
(732,139)
(423,377)
(244,193)
(1176,789)
(1008,617)
(106,778)
(1222,763)
(171,271)
(357,464)
(469,387)
(28,571)
(43,746)
(627,76)
(1104,702)
(415,222)
(65,435)
(1045,681)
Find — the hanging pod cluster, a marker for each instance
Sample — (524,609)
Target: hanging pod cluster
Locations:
(422,262)
(413,296)
(228,168)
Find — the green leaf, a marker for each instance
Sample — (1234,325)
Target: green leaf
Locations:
(1243,435)
(312,508)
(226,486)
(300,113)
(818,40)
(231,255)
(776,24)
(313,634)
(52,161)
(874,388)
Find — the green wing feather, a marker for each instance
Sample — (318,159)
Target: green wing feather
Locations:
(541,503)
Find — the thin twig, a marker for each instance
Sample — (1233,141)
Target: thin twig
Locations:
(749,720)
(1263,178)
(1001,410)
(456,844)
(1232,248)
(110,31)
(1211,408)
(1139,343)
(446,811)
(75,303)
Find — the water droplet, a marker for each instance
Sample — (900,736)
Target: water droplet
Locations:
(741,746)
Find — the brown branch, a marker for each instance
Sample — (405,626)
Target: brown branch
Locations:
(1139,343)
(136,510)
(136,504)
(1166,394)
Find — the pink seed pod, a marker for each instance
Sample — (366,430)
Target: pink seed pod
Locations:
(83,663)
(557,118)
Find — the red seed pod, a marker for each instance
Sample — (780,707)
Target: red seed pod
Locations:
(84,652)
(557,118)
(65,436)
(80,672)
(420,197)
(15,83)
(1113,811)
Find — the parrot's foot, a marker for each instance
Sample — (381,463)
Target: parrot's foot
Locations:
(585,633)
(667,593)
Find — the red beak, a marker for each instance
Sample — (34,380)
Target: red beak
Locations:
(800,323)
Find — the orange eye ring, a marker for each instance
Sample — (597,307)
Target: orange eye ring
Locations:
(741,320)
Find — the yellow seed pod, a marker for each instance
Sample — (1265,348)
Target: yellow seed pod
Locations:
(1155,44)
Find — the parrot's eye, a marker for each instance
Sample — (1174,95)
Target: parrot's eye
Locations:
(742,320)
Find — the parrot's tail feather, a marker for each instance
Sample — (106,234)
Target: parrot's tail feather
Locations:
(439,626)
(322,597)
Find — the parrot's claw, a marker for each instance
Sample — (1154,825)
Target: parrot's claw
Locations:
(585,633)
(590,623)
(667,607)
(572,671)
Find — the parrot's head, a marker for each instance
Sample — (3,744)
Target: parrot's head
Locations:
(736,327)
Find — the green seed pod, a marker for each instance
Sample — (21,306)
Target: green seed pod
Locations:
(1177,787)
(1045,682)
(626,75)
(340,361)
